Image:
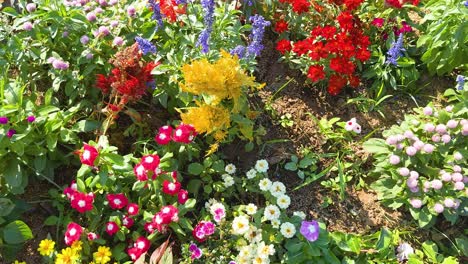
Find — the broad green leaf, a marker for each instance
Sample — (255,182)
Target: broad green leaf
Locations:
(16,232)
(195,168)
(6,206)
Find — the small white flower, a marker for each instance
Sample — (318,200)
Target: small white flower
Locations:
(283,201)
(403,251)
(264,184)
(254,235)
(252,173)
(261,165)
(230,168)
(264,250)
(300,214)
(210,202)
(251,209)
(288,230)
(271,212)
(275,223)
(352,125)
(277,189)
(245,252)
(228,180)
(240,225)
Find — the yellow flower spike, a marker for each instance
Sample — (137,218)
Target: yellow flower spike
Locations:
(207,118)
(102,256)
(46,247)
(67,256)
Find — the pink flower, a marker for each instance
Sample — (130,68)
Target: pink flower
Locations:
(117,201)
(127,221)
(92,236)
(394,159)
(427,110)
(88,155)
(459,186)
(112,228)
(31,7)
(31,119)
(438,208)
(91,16)
(132,209)
(404,28)
(196,251)
(411,151)
(203,230)
(457,156)
(411,183)
(73,233)
(134,253)
(403,171)
(429,127)
(436,184)
(441,129)
(184,133)
(446,138)
(149,227)
(131,11)
(435,138)
(182,196)
(170,188)
(428,148)
(449,203)
(28,26)
(378,22)
(457,177)
(142,243)
(118,41)
(391,140)
(452,124)
(446,177)
(150,162)
(416,203)
(140,172)
(82,202)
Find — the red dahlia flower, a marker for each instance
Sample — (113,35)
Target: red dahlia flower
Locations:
(117,201)
(283,46)
(281,26)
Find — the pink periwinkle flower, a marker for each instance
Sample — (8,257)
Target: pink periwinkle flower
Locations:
(446,138)
(436,184)
(427,110)
(416,203)
(438,208)
(441,129)
(403,171)
(394,159)
(411,151)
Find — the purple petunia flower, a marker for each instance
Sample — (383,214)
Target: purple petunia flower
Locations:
(395,51)
(3,120)
(203,39)
(156,12)
(145,45)
(310,230)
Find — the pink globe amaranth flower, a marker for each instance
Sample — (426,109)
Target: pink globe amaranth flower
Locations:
(98,10)
(428,148)
(465,179)
(114,23)
(118,41)
(400,137)
(10,133)
(414,189)
(400,146)
(142,243)
(89,56)
(378,22)
(457,177)
(414,174)
(446,138)
(140,172)
(91,16)
(182,196)
(436,184)
(103,31)
(427,110)
(73,233)
(459,186)
(456,168)
(3,120)
(150,162)
(457,156)
(65,34)
(452,124)
(435,138)
(88,155)
(438,208)
(82,202)
(403,171)
(102,3)
(449,108)
(465,130)
(411,183)
(60,65)
(117,201)
(418,145)
(429,127)
(127,222)
(408,134)
(449,203)
(84,39)
(391,140)
(464,122)
(446,177)
(394,159)
(456,202)
(112,228)
(113,2)
(171,188)
(416,203)
(28,26)
(131,11)
(411,151)
(133,209)
(92,236)
(184,133)
(31,7)
(31,119)
(441,129)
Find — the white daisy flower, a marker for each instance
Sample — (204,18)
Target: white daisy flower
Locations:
(288,230)
(283,201)
(275,223)
(261,165)
(300,214)
(228,180)
(240,225)
(252,173)
(277,188)
(260,260)
(264,184)
(271,212)
(251,209)
(264,250)
(254,235)
(230,168)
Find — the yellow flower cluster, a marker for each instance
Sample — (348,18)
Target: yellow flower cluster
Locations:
(207,118)
(222,79)
(67,256)
(46,247)
(102,255)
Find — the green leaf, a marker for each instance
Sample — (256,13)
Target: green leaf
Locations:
(195,168)
(291,166)
(462,244)
(430,250)
(51,220)
(194,186)
(13,173)
(6,206)
(384,241)
(306,162)
(86,126)
(376,145)
(16,232)
(40,163)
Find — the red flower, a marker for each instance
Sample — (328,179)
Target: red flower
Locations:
(316,73)
(202,230)
(394,3)
(117,201)
(363,55)
(166,130)
(112,228)
(82,202)
(88,155)
(102,83)
(170,188)
(134,253)
(170,9)
(301,47)
(127,221)
(92,236)
(335,84)
(150,162)
(300,6)
(283,46)
(345,19)
(132,209)
(140,172)
(342,65)
(352,4)
(404,28)
(184,133)
(281,26)
(378,22)
(318,51)
(69,191)
(142,244)
(162,138)
(354,81)
(182,196)
(73,233)
(149,227)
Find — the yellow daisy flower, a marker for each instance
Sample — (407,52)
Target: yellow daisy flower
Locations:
(46,247)
(67,256)
(102,255)
(77,246)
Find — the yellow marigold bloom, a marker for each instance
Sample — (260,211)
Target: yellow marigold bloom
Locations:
(67,256)
(222,79)
(102,256)
(77,246)
(207,118)
(46,247)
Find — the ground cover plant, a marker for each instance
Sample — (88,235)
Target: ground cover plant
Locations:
(210,131)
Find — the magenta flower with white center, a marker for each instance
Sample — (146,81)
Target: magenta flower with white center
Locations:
(10,133)
(310,230)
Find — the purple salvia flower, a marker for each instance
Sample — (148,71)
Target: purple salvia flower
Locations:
(239,51)
(310,230)
(145,45)
(156,13)
(460,81)
(258,29)
(466,3)
(203,39)
(395,51)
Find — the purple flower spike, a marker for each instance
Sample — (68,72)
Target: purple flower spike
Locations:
(310,230)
